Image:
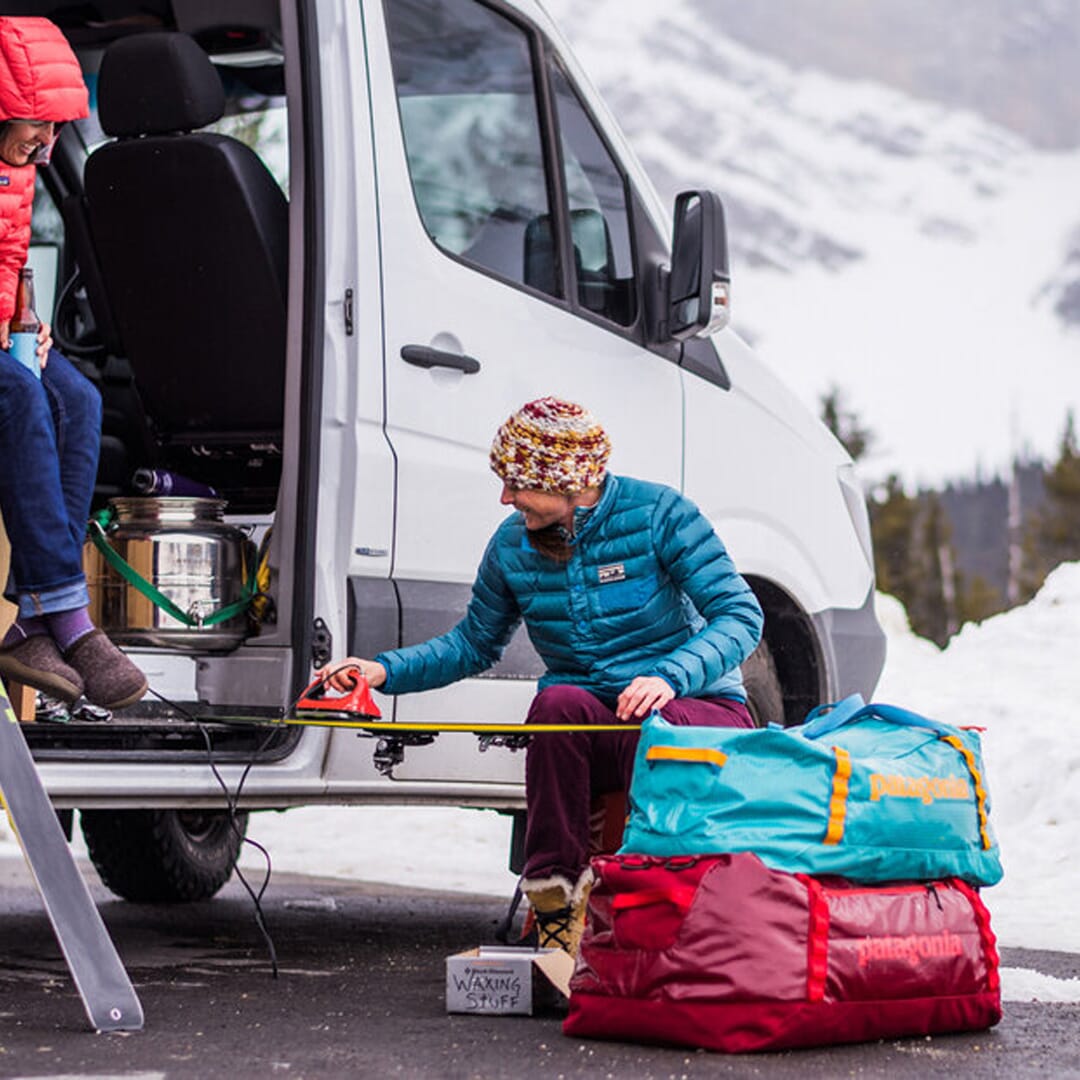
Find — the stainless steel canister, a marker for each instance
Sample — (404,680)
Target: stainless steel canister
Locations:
(186,550)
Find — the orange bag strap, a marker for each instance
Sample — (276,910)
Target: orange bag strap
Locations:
(980,787)
(699,754)
(834,833)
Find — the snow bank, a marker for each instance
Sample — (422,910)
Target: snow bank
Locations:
(1017,675)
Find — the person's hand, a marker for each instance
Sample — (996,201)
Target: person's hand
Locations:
(5,338)
(642,696)
(44,344)
(341,674)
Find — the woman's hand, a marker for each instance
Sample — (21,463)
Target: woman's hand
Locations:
(44,344)
(341,675)
(44,341)
(642,696)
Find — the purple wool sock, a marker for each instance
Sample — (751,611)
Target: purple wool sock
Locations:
(67,627)
(21,629)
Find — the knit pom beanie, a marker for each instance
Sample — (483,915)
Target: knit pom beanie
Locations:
(551,445)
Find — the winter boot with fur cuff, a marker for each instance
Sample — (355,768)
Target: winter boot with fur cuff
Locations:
(559,909)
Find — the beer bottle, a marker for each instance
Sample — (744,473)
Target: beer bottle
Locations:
(25,324)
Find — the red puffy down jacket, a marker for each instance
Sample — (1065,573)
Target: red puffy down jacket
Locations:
(40,79)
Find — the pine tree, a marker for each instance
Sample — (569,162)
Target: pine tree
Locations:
(1054,533)
(932,609)
(915,560)
(892,527)
(976,599)
(844,424)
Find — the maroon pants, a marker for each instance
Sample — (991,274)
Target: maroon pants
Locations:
(564,772)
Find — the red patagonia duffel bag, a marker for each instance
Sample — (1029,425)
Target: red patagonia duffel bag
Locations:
(723,953)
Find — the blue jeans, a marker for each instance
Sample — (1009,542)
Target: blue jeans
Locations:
(50,434)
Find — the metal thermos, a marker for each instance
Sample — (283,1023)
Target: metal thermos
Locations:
(185,549)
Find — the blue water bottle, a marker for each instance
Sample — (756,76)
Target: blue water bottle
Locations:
(25,324)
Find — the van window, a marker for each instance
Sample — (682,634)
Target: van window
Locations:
(599,221)
(46,242)
(471,123)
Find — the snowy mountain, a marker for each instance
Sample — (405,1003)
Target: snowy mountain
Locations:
(1004,60)
(920,257)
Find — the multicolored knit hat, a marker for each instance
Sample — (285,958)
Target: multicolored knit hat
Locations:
(551,445)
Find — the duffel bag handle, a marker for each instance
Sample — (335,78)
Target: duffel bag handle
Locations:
(827,718)
(696,755)
(681,896)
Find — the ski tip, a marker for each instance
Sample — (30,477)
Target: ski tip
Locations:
(119,1018)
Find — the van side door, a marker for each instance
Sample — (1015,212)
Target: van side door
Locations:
(510,256)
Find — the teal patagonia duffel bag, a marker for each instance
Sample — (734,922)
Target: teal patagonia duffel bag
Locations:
(869,792)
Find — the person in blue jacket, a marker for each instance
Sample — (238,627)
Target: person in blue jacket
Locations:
(632,603)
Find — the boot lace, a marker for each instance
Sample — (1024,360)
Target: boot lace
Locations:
(554,928)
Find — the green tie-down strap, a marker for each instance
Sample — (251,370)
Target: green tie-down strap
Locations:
(96,529)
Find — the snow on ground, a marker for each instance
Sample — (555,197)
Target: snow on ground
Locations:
(1023,984)
(424,847)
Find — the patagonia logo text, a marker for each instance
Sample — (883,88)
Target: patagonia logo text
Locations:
(614,572)
(924,788)
(5,181)
(914,948)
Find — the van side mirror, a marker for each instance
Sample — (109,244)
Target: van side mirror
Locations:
(699,285)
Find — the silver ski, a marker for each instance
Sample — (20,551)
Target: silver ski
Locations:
(106,991)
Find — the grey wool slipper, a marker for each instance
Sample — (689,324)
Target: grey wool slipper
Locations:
(37,662)
(109,678)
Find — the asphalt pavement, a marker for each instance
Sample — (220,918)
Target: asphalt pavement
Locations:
(360,992)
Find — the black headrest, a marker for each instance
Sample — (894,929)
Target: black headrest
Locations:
(151,84)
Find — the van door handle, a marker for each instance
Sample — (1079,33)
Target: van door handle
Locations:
(425,356)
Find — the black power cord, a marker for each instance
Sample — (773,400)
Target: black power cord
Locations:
(232,798)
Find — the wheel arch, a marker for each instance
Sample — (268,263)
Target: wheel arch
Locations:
(793,641)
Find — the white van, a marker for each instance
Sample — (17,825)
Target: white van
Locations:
(438,221)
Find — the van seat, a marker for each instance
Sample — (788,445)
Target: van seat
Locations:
(190,231)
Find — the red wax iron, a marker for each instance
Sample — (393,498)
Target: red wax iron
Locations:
(358,701)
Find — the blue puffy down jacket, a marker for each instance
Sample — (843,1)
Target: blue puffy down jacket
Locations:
(649,590)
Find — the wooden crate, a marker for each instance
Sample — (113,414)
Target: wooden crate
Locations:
(23,698)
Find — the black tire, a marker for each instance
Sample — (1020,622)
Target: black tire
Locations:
(764,694)
(163,856)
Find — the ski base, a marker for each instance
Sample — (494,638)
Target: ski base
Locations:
(107,994)
(423,727)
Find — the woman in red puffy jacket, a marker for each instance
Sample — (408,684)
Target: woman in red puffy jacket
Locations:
(50,419)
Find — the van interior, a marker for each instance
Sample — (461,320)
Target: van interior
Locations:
(169,209)
(160,240)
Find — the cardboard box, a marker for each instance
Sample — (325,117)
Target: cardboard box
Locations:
(500,980)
